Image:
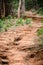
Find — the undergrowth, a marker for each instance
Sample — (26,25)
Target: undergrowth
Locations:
(42,21)
(40,35)
(6,23)
(40,31)
(40,11)
(23,21)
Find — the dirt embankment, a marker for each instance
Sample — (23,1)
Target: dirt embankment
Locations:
(18,47)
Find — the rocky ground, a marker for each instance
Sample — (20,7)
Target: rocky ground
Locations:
(19,46)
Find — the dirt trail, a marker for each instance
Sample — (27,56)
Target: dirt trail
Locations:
(17,47)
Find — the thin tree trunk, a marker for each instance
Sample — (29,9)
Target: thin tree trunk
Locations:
(2,8)
(19,9)
(22,8)
(23,5)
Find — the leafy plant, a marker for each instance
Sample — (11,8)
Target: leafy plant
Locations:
(40,11)
(19,22)
(40,35)
(1,23)
(40,31)
(27,21)
(5,24)
(9,17)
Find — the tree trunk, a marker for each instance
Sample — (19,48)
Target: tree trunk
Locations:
(23,5)
(19,8)
(2,8)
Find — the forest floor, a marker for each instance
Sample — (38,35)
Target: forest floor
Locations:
(20,46)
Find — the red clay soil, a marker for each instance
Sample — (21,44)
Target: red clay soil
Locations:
(18,47)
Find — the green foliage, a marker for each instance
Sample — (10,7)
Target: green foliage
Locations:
(22,21)
(40,11)
(28,21)
(29,4)
(42,22)
(5,24)
(40,32)
(19,22)
(9,17)
(40,35)
(40,40)
(1,24)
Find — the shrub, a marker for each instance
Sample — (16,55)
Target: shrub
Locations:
(5,24)
(27,21)
(40,35)
(40,31)
(9,17)
(22,21)
(40,11)
(19,22)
